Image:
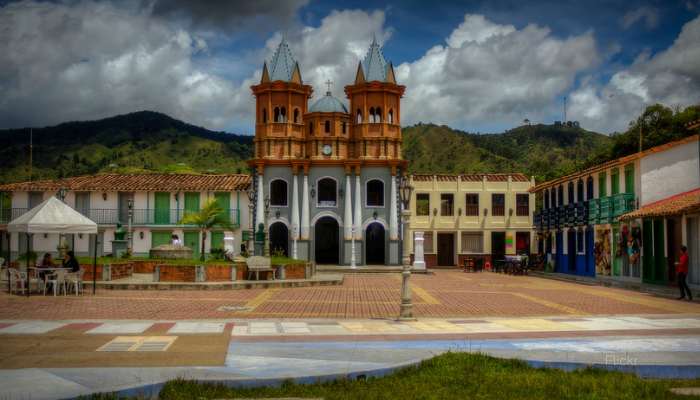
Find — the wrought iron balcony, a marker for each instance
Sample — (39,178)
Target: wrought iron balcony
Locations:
(139,217)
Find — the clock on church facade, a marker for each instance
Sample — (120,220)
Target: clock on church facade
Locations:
(330,171)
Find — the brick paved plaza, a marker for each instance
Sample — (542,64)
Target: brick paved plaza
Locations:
(447,294)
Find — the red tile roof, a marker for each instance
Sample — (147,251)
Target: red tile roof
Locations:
(137,182)
(468,177)
(693,124)
(680,204)
(619,161)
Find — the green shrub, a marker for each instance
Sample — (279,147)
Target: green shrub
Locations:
(218,253)
(29,256)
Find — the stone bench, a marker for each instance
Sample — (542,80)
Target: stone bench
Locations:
(259,264)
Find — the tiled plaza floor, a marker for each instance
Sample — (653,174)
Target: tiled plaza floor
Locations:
(447,294)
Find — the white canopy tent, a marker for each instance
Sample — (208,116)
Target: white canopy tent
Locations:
(52,216)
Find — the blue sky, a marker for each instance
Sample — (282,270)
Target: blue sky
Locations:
(479,66)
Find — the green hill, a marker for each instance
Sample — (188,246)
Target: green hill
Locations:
(540,150)
(138,142)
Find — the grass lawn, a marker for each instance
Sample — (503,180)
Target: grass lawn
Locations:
(456,376)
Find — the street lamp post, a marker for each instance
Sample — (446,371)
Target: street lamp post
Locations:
(62,241)
(406,312)
(130,206)
(267,229)
(353,263)
(294,255)
(251,232)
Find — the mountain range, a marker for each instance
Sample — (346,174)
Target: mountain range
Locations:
(148,141)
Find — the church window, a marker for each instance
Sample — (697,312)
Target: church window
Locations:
(296,115)
(277,114)
(264,115)
(371,115)
(278,193)
(391,116)
(311,128)
(379,115)
(327,192)
(375,193)
(345,124)
(283,115)
(328,126)
(359,116)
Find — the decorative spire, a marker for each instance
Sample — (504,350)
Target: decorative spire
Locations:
(283,66)
(375,66)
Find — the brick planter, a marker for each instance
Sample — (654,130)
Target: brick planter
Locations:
(225,273)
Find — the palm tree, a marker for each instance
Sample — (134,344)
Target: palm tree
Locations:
(209,217)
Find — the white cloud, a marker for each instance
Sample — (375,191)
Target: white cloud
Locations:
(490,74)
(645,12)
(670,77)
(88,60)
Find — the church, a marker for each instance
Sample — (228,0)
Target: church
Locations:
(330,172)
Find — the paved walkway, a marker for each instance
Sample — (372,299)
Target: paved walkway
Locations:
(133,341)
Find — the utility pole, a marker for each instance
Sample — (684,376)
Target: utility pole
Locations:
(31,150)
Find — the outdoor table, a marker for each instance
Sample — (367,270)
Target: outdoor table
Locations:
(47,270)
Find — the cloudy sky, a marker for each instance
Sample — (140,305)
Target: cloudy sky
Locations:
(476,65)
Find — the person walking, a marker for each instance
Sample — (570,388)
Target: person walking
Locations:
(683,274)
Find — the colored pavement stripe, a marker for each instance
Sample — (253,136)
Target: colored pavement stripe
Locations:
(368,327)
(436,326)
(550,304)
(427,298)
(535,324)
(262,297)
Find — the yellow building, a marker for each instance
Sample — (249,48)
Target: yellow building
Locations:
(462,216)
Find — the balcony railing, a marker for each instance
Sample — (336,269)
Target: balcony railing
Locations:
(563,216)
(624,204)
(139,217)
(608,209)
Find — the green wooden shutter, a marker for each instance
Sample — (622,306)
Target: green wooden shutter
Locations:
(160,237)
(629,178)
(192,201)
(162,209)
(602,185)
(614,182)
(224,200)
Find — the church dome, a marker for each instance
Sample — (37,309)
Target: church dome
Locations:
(328,103)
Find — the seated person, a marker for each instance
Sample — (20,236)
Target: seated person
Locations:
(71,262)
(45,262)
(176,240)
(536,262)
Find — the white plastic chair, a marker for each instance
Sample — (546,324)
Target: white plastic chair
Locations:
(56,279)
(75,279)
(17,279)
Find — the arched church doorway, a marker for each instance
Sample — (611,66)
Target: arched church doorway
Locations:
(375,244)
(279,238)
(327,241)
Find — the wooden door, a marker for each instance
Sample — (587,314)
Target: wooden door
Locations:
(191,240)
(675,240)
(162,209)
(446,249)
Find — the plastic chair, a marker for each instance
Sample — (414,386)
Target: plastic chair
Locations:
(18,279)
(75,279)
(56,279)
(488,266)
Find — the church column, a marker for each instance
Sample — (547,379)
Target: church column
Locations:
(260,208)
(305,209)
(358,203)
(347,224)
(393,223)
(295,204)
